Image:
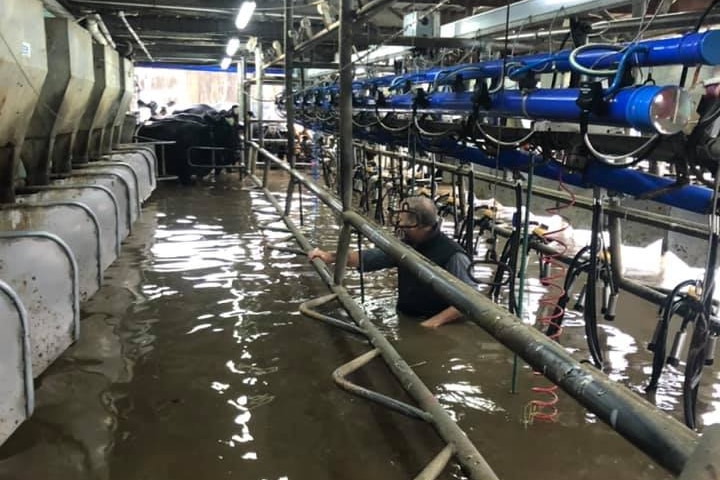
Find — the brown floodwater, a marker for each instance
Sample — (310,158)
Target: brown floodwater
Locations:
(194,363)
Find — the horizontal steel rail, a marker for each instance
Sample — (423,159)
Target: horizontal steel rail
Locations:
(656,433)
(467,455)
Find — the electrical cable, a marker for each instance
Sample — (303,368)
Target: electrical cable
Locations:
(637,155)
(497,141)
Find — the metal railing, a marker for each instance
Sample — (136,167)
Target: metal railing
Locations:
(654,432)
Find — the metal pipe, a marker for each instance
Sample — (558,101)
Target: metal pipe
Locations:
(242,106)
(365,12)
(181,8)
(56,8)
(103,29)
(340,374)
(135,36)
(657,434)
(308,309)
(347,151)
(346,125)
(467,455)
(679,21)
(289,105)
(635,107)
(436,466)
(259,73)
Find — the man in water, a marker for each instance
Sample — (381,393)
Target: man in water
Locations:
(418,226)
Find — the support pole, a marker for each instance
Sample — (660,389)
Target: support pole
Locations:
(289,104)
(259,114)
(243,117)
(346,132)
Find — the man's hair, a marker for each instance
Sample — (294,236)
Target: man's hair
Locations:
(424,208)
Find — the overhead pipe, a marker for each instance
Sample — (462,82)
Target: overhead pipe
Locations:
(135,36)
(57,9)
(94,28)
(366,11)
(678,21)
(103,30)
(178,8)
(656,433)
(648,108)
(689,50)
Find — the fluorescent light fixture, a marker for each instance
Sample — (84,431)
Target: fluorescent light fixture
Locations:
(232,46)
(244,15)
(225,64)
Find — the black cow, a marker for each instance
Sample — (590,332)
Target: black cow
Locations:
(198,126)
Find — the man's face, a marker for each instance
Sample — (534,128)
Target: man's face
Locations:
(408,229)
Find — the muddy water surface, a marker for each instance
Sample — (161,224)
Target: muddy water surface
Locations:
(195,364)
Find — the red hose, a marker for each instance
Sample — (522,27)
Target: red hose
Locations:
(550,310)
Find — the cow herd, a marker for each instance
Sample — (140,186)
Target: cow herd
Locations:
(206,139)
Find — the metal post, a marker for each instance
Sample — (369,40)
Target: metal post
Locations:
(470,213)
(346,131)
(259,114)
(243,117)
(289,104)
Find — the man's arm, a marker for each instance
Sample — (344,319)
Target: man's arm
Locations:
(353,259)
(450,314)
(458,266)
(373,258)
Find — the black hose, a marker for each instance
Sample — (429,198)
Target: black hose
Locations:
(590,311)
(666,312)
(698,345)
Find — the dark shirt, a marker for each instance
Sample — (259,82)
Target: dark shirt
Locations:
(416,298)
(375,259)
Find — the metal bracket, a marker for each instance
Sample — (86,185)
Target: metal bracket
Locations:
(144,170)
(69,221)
(114,182)
(123,169)
(18,400)
(308,307)
(213,164)
(107,212)
(401,407)
(42,269)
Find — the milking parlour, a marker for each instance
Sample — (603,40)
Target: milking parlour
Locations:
(359,239)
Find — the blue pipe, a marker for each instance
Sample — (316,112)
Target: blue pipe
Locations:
(629,107)
(630,182)
(689,49)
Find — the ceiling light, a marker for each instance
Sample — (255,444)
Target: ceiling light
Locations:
(244,15)
(225,64)
(232,46)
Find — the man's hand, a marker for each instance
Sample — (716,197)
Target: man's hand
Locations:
(433,322)
(327,257)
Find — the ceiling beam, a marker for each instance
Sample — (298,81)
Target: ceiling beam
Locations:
(361,15)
